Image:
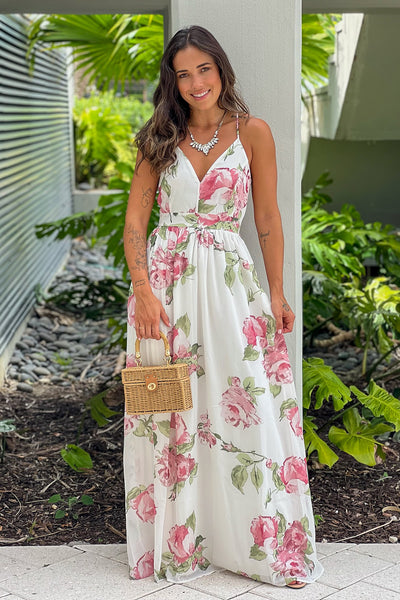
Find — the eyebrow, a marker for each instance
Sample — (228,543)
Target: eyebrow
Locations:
(198,67)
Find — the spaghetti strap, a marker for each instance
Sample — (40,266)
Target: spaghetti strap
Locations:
(237,125)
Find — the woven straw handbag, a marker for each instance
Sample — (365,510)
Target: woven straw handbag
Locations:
(157,389)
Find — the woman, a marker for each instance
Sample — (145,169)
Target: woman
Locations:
(224,484)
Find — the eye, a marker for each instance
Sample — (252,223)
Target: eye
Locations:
(182,75)
(205,69)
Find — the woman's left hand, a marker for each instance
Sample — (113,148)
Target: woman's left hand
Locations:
(283,314)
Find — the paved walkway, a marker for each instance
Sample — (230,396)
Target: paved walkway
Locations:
(99,572)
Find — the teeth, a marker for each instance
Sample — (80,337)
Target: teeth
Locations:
(200,95)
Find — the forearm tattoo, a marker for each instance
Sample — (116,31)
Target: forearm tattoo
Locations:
(263,236)
(139,282)
(285,305)
(147,197)
(138,242)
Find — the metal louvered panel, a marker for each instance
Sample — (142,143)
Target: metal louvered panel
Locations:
(35,170)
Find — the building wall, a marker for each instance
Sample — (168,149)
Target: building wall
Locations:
(263,42)
(35,173)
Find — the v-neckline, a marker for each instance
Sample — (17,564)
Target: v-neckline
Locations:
(200,181)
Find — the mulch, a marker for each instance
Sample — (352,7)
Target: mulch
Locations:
(350,497)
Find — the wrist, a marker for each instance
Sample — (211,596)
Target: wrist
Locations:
(142,288)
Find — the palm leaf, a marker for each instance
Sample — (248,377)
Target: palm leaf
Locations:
(320,379)
(358,439)
(380,403)
(312,441)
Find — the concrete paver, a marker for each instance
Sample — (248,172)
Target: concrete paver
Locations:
(82,571)
(340,570)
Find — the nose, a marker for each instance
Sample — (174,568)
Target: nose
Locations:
(197,84)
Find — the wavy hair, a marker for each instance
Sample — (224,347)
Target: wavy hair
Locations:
(160,136)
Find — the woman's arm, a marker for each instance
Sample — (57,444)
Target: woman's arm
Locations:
(149,309)
(268,219)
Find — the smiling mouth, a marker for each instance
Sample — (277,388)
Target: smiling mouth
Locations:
(200,95)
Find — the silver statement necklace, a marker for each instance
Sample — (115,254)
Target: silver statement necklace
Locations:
(205,148)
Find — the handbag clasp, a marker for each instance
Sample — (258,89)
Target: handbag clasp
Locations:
(151,382)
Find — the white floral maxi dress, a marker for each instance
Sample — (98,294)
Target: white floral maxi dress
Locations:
(225,484)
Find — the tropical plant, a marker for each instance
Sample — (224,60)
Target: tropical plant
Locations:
(105,127)
(118,48)
(335,287)
(110,49)
(318,43)
(380,414)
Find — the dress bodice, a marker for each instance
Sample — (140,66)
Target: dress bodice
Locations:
(219,200)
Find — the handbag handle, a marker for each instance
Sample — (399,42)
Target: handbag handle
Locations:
(166,347)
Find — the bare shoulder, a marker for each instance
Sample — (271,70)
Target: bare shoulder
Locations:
(257,131)
(257,138)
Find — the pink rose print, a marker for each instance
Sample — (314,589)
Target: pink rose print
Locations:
(144,505)
(180,264)
(276,363)
(144,566)
(265,531)
(181,543)
(242,193)
(255,330)
(163,200)
(293,415)
(295,538)
(237,406)
(210,219)
(173,468)
(162,266)
(184,466)
(180,348)
(131,361)
(294,476)
(204,433)
(167,467)
(130,423)
(131,310)
(179,435)
(166,268)
(205,238)
(217,185)
(176,235)
(289,564)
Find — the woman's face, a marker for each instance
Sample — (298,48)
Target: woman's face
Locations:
(197,78)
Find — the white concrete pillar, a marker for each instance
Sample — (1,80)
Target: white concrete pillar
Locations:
(263,42)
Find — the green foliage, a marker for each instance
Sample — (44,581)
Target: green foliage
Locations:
(359,437)
(318,43)
(77,458)
(6,426)
(105,127)
(108,219)
(360,434)
(99,411)
(110,49)
(335,248)
(322,381)
(114,49)
(69,506)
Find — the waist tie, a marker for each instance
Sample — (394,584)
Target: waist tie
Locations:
(199,221)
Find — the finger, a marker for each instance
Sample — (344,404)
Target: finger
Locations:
(164,317)
(139,331)
(279,324)
(147,331)
(155,332)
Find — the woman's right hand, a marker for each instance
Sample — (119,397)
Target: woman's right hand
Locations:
(148,313)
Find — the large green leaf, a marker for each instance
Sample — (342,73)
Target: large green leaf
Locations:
(312,441)
(358,439)
(109,48)
(320,379)
(380,403)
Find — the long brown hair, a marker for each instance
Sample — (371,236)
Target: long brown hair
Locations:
(160,136)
